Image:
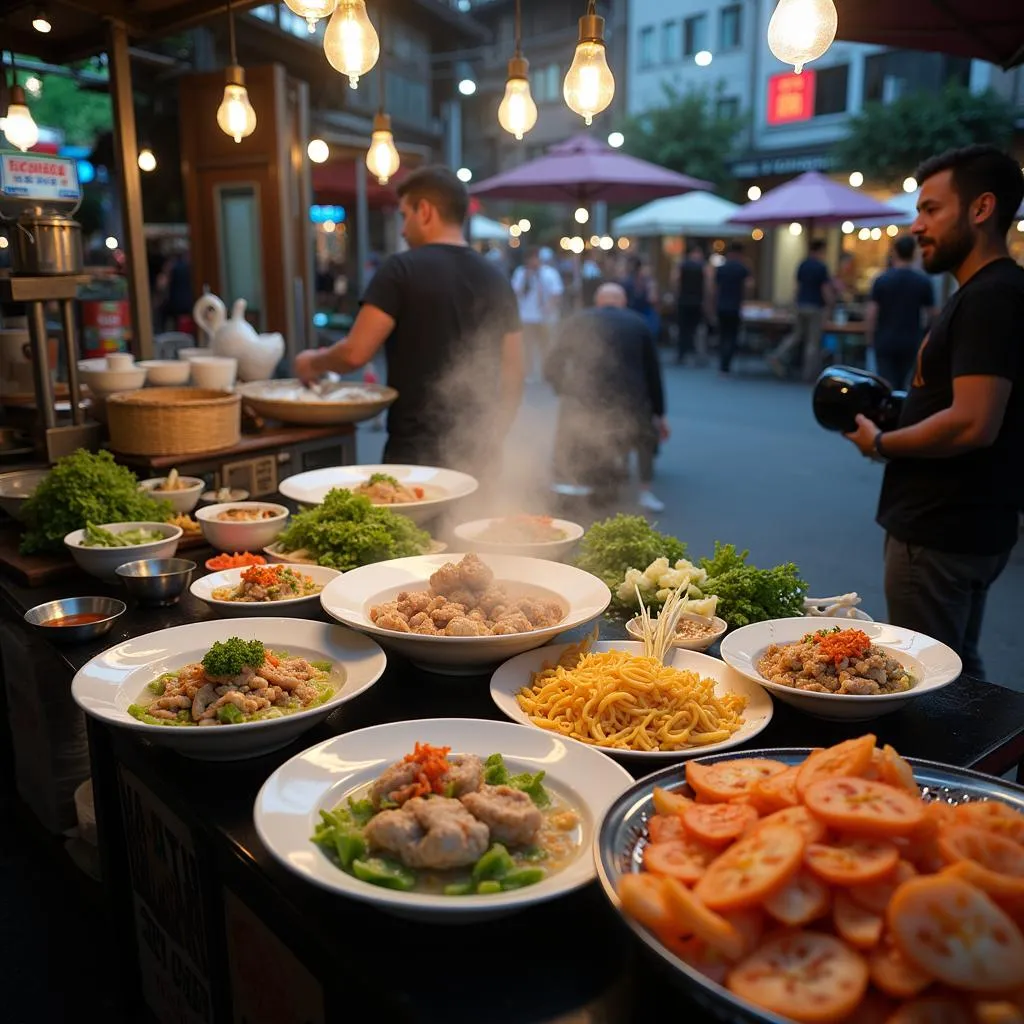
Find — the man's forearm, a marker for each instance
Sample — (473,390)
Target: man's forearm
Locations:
(336,358)
(938,437)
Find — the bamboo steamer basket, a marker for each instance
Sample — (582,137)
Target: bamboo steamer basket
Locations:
(173,421)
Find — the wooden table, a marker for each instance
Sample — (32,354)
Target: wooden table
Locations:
(209,923)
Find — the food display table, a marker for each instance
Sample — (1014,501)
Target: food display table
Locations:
(211,929)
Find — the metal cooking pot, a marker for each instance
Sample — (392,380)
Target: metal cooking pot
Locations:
(46,243)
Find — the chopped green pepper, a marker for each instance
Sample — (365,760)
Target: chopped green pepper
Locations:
(495,772)
(488,887)
(522,877)
(532,854)
(387,874)
(349,846)
(459,889)
(495,863)
(228,714)
(531,786)
(361,811)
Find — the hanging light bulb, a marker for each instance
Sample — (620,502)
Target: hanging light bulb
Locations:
(517,113)
(312,10)
(351,42)
(589,86)
(382,158)
(235,115)
(19,129)
(318,151)
(147,160)
(41,23)
(802,30)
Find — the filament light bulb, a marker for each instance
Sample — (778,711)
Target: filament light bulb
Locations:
(517,113)
(147,160)
(20,129)
(382,158)
(235,115)
(589,85)
(350,42)
(312,10)
(802,30)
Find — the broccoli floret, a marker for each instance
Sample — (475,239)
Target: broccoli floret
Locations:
(229,657)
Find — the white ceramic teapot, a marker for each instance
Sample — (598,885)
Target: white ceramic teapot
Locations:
(261,357)
(209,314)
(235,336)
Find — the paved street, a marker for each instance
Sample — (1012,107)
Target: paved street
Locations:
(747,464)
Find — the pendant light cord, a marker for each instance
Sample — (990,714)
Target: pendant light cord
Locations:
(519,30)
(382,78)
(592,7)
(231,33)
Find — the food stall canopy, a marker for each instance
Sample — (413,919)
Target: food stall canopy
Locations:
(992,30)
(335,182)
(813,197)
(586,170)
(483,229)
(697,214)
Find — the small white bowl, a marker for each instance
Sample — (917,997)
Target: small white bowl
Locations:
(241,536)
(302,607)
(236,494)
(162,373)
(556,550)
(103,562)
(120,361)
(214,372)
(699,644)
(182,500)
(102,381)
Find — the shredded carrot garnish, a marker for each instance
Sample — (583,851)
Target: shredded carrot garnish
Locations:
(433,762)
(263,575)
(849,643)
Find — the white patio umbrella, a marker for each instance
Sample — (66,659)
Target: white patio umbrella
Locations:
(483,229)
(697,214)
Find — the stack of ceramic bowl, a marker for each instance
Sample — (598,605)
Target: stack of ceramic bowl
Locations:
(108,376)
(166,373)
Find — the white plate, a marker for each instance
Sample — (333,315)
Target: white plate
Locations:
(116,678)
(349,599)
(514,675)
(203,589)
(300,556)
(288,806)
(441,487)
(932,664)
(469,534)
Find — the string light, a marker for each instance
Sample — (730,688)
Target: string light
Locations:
(892,231)
(796,228)
(318,151)
(702,58)
(616,139)
(802,30)
(41,23)
(856,179)
(754,193)
(589,85)
(312,10)
(582,215)
(467,87)
(757,234)
(910,184)
(464,174)
(517,113)
(864,234)
(848,227)
(147,160)
(623,243)
(235,115)
(351,42)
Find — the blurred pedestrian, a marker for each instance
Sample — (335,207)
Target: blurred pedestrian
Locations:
(953,488)
(690,300)
(815,297)
(604,368)
(902,301)
(730,284)
(642,293)
(538,287)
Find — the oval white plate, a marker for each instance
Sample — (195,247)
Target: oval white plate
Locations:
(469,534)
(441,487)
(350,598)
(203,589)
(288,806)
(105,686)
(932,664)
(300,556)
(515,674)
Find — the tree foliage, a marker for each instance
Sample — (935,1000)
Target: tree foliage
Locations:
(887,141)
(81,114)
(688,134)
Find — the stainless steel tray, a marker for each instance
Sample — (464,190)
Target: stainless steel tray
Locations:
(620,842)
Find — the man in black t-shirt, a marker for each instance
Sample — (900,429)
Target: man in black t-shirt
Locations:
(815,297)
(449,323)
(690,299)
(953,487)
(730,284)
(901,299)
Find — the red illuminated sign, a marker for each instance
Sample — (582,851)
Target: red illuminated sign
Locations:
(790,98)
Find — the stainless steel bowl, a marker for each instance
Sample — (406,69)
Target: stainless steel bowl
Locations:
(109,607)
(157,581)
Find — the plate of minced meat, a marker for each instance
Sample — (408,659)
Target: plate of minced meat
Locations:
(275,589)
(225,689)
(832,669)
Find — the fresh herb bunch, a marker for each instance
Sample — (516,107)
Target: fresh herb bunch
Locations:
(229,657)
(348,530)
(85,488)
(383,478)
(747,594)
(609,548)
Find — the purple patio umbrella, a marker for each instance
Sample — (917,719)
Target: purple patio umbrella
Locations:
(811,197)
(585,170)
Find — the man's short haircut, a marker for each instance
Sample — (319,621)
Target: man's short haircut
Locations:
(904,247)
(817,245)
(979,169)
(438,186)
